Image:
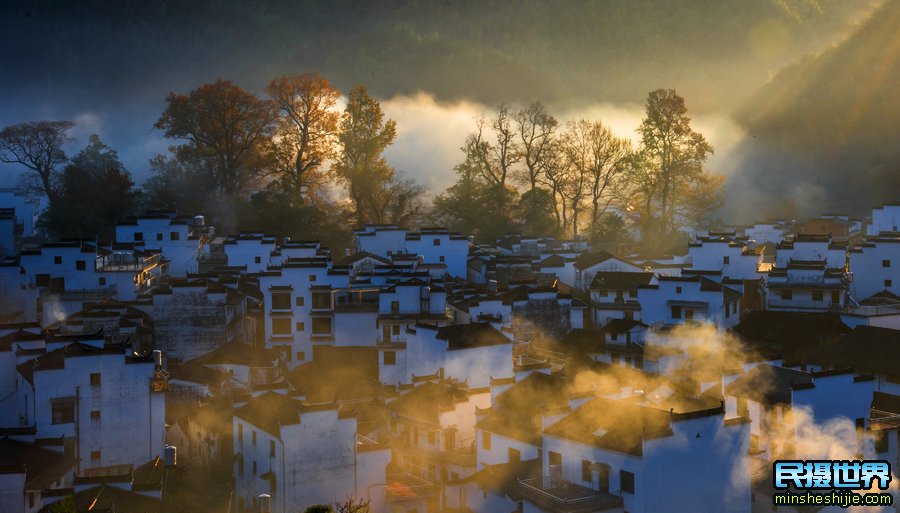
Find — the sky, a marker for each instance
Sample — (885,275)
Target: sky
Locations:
(435,66)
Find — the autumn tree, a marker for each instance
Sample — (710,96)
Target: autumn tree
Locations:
(306,131)
(378,193)
(672,152)
(38,146)
(225,130)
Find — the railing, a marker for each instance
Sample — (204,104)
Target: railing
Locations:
(405,486)
(128,263)
(563,496)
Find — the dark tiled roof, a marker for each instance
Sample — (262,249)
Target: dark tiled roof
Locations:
(466,336)
(768,384)
(41,466)
(516,413)
(613,425)
(867,349)
(270,411)
(112,499)
(791,335)
(617,280)
(338,373)
(590,259)
(427,401)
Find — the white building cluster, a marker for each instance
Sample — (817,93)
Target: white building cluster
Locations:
(422,372)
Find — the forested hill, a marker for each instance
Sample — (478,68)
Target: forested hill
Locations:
(577,51)
(826,130)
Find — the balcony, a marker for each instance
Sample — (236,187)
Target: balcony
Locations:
(128,262)
(564,497)
(404,486)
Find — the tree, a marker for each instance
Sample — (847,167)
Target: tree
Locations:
(672,150)
(364,135)
(536,129)
(95,193)
(461,207)
(37,146)
(494,160)
(225,129)
(536,212)
(307,130)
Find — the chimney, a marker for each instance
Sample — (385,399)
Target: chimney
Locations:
(264,503)
(170,455)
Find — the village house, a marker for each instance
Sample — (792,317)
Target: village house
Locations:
(96,401)
(180,240)
(435,245)
(472,353)
(589,264)
(885,218)
(810,274)
(874,266)
(31,476)
(689,300)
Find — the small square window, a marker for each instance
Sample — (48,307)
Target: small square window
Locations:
(515,455)
(95,379)
(257,260)
(102,281)
(441,258)
(95,415)
(57,260)
(678,290)
(626,481)
(300,326)
(159,236)
(299,301)
(885,263)
(174,236)
(138,236)
(312,277)
(787,294)
(726,260)
(95,456)
(436,242)
(80,265)
(888,283)
(301,356)
(390,358)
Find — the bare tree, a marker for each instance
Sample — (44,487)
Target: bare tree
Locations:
(37,146)
(495,158)
(536,129)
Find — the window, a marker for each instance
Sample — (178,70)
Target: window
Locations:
(254,468)
(555,458)
(253,438)
(95,415)
(102,281)
(441,258)
(817,295)
(300,326)
(888,283)
(271,448)
(95,456)
(835,297)
(241,435)
(174,236)
(603,292)
(436,242)
(95,379)
(689,315)
(885,263)
(395,307)
(321,300)
(281,301)
(787,294)
(486,440)
(390,358)
(586,471)
(138,236)
(159,236)
(301,355)
(257,260)
(312,277)
(515,455)
(395,329)
(614,336)
(321,326)
(676,312)
(299,301)
(80,265)
(726,260)
(281,325)
(678,290)
(727,310)
(57,260)
(42,280)
(63,411)
(626,480)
